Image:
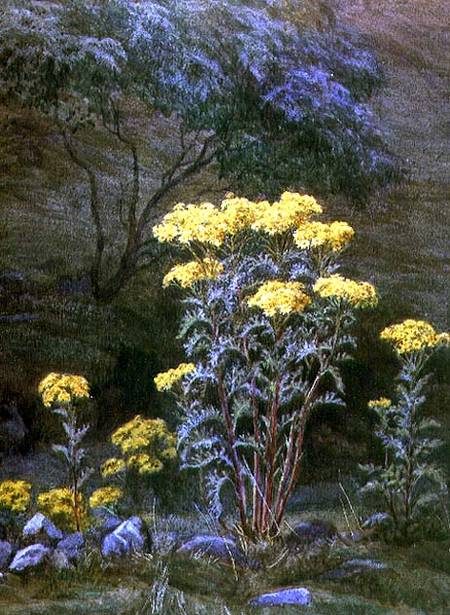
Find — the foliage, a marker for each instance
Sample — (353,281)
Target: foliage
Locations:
(265,342)
(269,102)
(146,446)
(15,499)
(65,507)
(61,392)
(105,497)
(408,483)
(15,495)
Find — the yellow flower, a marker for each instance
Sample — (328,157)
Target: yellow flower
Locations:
(239,214)
(145,464)
(194,271)
(59,505)
(141,433)
(383,402)
(192,223)
(105,496)
(164,381)
(15,495)
(111,467)
(335,236)
(62,388)
(289,212)
(275,297)
(207,224)
(357,294)
(413,336)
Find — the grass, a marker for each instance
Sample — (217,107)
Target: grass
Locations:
(201,587)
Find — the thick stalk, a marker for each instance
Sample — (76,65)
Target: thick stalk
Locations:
(270,454)
(237,466)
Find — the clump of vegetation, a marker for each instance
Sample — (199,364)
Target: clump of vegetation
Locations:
(65,508)
(106,497)
(146,445)
(62,394)
(15,500)
(409,482)
(267,324)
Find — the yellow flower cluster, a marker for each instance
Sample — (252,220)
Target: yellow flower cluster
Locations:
(205,223)
(15,495)
(141,433)
(275,297)
(105,496)
(357,294)
(112,466)
(145,464)
(239,214)
(192,223)
(289,212)
(164,381)
(195,271)
(59,505)
(62,388)
(383,402)
(413,336)
(335,236)
(144,443)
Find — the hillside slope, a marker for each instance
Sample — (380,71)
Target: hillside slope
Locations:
(406,242)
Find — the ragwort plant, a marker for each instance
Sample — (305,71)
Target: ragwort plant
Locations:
(145,446)
(61,393)
(15,500)
(267,323)
(409,484)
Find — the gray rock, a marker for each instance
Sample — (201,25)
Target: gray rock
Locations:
(299,596)
(215,546)
(106,522)
(72,545)
(29,557)
(59,560)
(353,567)
(309,532)
(127,538)
(5,553)
(41,526)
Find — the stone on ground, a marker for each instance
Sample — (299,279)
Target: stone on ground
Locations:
(299,596)
(40,526)
(29,557)
(125,539)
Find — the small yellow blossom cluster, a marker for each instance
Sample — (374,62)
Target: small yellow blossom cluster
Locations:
(383,402)
(275,298)
(239,213)
(145,464)
(144,443)
(164,381)
(195,271)
(59,505)
(413,336)
(15,495)
(112,466)
(335,236)
(62,388)
(357,294)
(192,223)
(288,213)
(105,496)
